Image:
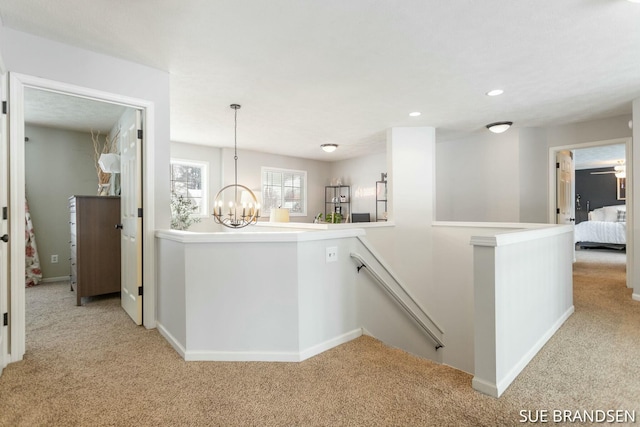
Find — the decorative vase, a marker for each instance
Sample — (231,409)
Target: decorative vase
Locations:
(103,189)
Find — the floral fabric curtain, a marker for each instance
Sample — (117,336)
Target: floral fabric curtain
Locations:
(33,273)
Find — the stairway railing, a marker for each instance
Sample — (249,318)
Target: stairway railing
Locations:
(399,293)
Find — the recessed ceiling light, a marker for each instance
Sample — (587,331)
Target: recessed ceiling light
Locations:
(329,148)
(415,114)
(495,92)
(634,1)
(499,127)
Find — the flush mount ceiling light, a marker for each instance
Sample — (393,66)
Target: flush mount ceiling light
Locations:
(415,114)
(499,127)
(329,148)
(495,92)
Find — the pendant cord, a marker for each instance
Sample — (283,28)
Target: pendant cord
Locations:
(235,149)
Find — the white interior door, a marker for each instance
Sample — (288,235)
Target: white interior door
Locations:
(565,194)
(4,247)
(131,214)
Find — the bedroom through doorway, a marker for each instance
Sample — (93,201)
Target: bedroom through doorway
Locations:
(597,193)
(61,132)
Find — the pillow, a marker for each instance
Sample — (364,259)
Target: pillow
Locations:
(610,213)
(622,215)
(596,215)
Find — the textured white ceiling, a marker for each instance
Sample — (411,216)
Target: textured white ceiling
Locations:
(599,157)
(335,71)
(57,110)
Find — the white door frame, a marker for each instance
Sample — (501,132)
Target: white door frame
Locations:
(628,142)
(4,265)
(17,84)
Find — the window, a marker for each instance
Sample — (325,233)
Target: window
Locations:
(189,180)
(284,188)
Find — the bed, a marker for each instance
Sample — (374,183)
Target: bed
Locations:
(606,227)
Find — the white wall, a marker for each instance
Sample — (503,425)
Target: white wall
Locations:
(211,155)
(594,130)
(250,164)
(361,174)
(533,175)
(633,217)
(504,178)
(59,164)
(34,56)
(478,178)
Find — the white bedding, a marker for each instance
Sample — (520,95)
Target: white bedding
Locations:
(601,232)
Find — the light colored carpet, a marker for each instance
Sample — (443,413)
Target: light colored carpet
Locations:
(91,366)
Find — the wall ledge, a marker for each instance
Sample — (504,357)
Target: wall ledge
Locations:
(520,235)
(257,236)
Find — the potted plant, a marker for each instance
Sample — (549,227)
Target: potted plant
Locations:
(182,209)
(334,218)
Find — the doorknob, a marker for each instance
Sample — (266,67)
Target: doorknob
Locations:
(119,226)
(5,238)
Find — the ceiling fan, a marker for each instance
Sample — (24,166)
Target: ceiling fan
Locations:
(620,170)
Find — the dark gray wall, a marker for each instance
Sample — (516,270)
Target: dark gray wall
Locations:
(598,190)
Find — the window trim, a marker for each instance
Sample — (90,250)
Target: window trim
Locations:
(284,170)
(204,165)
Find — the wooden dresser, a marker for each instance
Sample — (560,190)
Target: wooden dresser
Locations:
(95,245)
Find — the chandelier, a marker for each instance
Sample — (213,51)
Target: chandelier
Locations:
(243,207)
(620,169)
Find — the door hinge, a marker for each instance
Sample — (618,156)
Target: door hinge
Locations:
(139,212)
(558,210)
(4,212)
(139,133)
(5,319)
(139,290)
(557,165)
(4,107)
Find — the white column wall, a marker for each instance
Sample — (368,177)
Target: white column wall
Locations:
(407,246)
(633,217)
(412,195)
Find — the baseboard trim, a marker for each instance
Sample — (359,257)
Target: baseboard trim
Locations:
(171,339)
(241,356)
(329,344)
(257,356)
(55,279)
(496,389)
(485,387)
(635,297)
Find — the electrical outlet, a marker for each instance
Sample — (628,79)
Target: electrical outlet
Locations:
(54,259)
(332,254)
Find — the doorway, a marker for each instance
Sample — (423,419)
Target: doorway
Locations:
(607,154)
(18,85)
